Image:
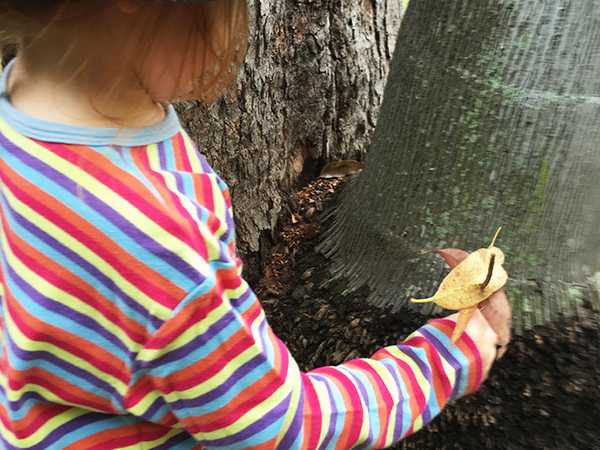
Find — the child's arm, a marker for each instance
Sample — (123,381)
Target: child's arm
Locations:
(216,369)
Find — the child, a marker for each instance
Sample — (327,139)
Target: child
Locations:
(125,320)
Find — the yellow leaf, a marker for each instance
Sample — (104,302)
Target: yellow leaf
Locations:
(473,280)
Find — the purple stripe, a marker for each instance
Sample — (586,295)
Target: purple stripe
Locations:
(277,413)
(426,373)
(51,305)
(192,346)
(162,160)
(230,225)
(204,163)
(333,415)
(362,390)
(237,303)
(294,432)
(223,388)
(25,355)
(107,212)
(128,302)
(447,355)
(156,405)
(17,405)
(400,409)
(64,429)
(179,439)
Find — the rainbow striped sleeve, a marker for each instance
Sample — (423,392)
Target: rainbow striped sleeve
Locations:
(218,370)
(125,321)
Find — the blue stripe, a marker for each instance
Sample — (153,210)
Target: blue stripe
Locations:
(65,257)
(453,355)
(61,316)
(120,229)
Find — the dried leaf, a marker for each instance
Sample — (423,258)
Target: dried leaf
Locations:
(461,323)
(341,168)
(452,256)
(473,280)
(496,309)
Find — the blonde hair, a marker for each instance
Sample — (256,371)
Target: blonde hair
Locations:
(216,42)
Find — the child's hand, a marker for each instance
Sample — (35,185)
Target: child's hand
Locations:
(496,309)
(498,312)
(484,336)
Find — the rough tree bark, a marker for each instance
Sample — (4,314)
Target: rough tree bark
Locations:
(309,92)
(491,117)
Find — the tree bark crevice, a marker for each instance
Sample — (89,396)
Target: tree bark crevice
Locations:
(308,93)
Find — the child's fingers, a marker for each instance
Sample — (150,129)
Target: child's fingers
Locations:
(498,313)
(496,309)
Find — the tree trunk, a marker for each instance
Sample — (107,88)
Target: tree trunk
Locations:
(491,117)
(309,92)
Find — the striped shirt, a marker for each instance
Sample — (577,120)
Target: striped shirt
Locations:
(126,323)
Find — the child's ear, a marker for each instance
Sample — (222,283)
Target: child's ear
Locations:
(129,6)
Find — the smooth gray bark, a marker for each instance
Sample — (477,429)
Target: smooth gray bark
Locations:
(309,93)
(491,117)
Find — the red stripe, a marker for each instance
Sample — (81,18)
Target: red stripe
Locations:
(67,392)
(36,417)
(58,276)
(207,190)
(382,396)
(195,311)
(415,395)
(440,382)
(134,434)
(199,372)
(154,284)
(351,396)
(313,416)
(469,349)
(39,331)
(181,225)
(182,152)
(123,183)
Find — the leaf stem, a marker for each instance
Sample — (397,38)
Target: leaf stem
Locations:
(483,285)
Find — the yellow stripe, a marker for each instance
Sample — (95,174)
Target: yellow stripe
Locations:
(250,416)
(143,404)
(366,423)
(391,385)
(88,255)
(143,223)
(325,405)
(60,296)
(192,153)
(219,200)
(188,335)
(293,379)
(212,243)
(40,434)
(421,380)
(148,445)
(24,343)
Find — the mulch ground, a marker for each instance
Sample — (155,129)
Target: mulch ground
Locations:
(544,394)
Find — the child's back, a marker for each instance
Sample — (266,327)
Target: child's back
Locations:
(126,322)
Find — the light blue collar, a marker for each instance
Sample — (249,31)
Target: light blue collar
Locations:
(71,134)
